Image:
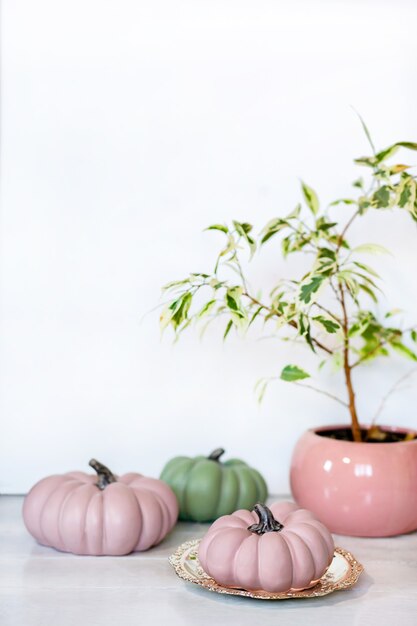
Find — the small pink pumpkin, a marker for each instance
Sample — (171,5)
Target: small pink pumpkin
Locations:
(254,551)
(100,515)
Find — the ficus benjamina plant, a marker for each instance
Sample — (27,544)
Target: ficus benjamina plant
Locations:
(331,307)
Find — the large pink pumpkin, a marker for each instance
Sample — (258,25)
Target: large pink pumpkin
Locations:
(100,514)
(254,551)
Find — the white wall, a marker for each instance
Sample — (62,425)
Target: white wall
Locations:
(127,127)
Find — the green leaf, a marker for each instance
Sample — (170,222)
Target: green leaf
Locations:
(295,213)
(302,324)
(368,291)
(392,313)
(346,277)
(382,197)
(364,204)
(371,248)
(165,318)
(206,309)
(413,335)
(366,131)
(286,246)
(180,309)
(175,283)
(370,352)
(252,244)
(368,279)
(404,350)
(343,201)
(272,228)
(360,325)
(177,312)
(325,268)
(406,194)
(216,284)
(260,388)
(388,152)
(243,229)
(336,361)
(231,302)
(323,225)
(255,315)
(221,227)
(410,145)
(329,325)
(228,327)
(237,312)
(239,228)
(290,373)
(308,289)
(397,169)
(326,253)
(311,198)
(231,245)
(304,328)
(368,161)
(366,268)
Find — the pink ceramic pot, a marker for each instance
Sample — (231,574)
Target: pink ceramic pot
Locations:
(361,489)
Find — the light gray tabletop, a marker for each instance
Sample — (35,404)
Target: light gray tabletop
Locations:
(42,587)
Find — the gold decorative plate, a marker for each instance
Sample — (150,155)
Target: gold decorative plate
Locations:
(342,573)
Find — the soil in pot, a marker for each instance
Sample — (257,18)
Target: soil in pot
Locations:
(374,434)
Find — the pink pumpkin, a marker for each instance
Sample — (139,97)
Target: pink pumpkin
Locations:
(257,552)
(100,515)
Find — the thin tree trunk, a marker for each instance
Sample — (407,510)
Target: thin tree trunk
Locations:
(356,429)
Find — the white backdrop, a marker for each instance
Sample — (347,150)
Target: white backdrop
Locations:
(127,127)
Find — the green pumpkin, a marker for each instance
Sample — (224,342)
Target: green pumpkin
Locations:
(206,488)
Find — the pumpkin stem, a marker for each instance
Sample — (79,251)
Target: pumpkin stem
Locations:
(105,476)
(216,454)
(267,522)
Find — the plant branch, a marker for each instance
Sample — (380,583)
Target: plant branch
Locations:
(345,229)
(381,344)
(390,391)
(291,323)
(322,391)
(329,313)
(303,237)
(321,345)
(366,131)
(356,431)
(239,267)
(333,288)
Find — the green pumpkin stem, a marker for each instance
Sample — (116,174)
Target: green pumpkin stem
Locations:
(267,522)
(216,454)
(105,476)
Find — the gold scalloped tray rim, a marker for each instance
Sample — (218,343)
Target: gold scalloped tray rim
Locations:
(322,588)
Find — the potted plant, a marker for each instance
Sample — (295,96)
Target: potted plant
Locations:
(358,478)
